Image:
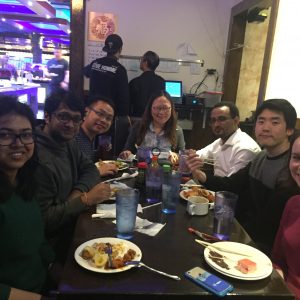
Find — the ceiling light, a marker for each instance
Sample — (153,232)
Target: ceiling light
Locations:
(20,26)
(3,19)
(48,16)
(69,31)
(29,3)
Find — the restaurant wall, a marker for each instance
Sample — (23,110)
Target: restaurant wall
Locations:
(162,26)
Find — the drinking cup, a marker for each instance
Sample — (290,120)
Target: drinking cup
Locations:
(126,207)
(183,168)
(143,154)
(170,192)
(197,205)
(104,147)
(224,209)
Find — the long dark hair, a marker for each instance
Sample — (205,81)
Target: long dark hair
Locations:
(25,180)
(170,126)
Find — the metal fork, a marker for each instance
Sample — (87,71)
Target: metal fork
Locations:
(108,251)
(140,264)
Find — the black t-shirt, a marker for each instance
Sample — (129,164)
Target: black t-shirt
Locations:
(109,78)
(58,67)
(141,88)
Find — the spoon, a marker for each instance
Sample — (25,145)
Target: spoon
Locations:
(140,264)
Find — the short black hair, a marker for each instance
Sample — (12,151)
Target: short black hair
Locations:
(234,111)
(66,97)
(152,60)
(95,98)
(279,105)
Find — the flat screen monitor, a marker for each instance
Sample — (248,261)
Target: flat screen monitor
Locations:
(174,88)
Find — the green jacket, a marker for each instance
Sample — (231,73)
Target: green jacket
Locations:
(24,253)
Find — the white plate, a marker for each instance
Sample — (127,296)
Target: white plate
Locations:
(120,164)
(128,245)
(263,263)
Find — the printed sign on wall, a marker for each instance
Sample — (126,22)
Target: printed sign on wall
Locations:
(101,25)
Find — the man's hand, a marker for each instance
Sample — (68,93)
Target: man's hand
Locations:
(99,193)
(125,154)
(107,169)
(194,163)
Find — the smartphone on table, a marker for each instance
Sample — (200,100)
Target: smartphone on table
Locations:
(209,281)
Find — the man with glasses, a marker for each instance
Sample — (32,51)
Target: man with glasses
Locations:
(68,182)
(99,116)
(234,148)
(143,86)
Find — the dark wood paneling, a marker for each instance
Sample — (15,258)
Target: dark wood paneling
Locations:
(234,56)
(77,46)
(268,52)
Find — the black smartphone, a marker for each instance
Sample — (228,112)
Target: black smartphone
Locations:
(209,281)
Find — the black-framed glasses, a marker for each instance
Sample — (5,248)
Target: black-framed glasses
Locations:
(65,118)
(102,114)
(220,119)
(8,138)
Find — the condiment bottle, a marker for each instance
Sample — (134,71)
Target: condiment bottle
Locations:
(141,178)
(153,181)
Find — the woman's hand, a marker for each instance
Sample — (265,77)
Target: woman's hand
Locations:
(125,154)
(174,158)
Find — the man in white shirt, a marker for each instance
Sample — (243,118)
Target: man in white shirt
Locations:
(234,148)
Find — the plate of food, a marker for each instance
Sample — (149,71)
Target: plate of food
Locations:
(253,265)
(120,164)
(197,191)
(92,255)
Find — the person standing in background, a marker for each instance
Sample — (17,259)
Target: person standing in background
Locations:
(108,77)
(143,86)
(6,67)
(58,70)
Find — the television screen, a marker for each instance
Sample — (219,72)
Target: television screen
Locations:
(174,88)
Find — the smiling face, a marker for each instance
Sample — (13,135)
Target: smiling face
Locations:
(98,119)
(161,111)
(295,161)
(271,132)
(14,156)
(63,124)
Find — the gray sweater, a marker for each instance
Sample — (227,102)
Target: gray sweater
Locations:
(63,168)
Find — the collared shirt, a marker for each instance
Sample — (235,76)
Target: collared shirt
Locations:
(231,156)
(152,140)
(86,145)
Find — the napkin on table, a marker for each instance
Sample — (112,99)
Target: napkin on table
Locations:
(108,211)
(147,227)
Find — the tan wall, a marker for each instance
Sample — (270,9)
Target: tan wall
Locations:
(250,73)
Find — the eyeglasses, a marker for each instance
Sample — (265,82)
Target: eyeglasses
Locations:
(8,138)
(161,108)
(65,118)
(102,114)
(220,119)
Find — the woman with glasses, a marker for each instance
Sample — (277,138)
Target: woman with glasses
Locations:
(157,129)
(24,254)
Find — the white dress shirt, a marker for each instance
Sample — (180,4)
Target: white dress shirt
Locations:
(231,156)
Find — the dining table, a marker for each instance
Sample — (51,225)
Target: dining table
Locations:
(172,250)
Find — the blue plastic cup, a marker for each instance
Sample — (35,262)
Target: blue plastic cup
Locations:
(224,209)
(126,207)
(170,192)
(143,154)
